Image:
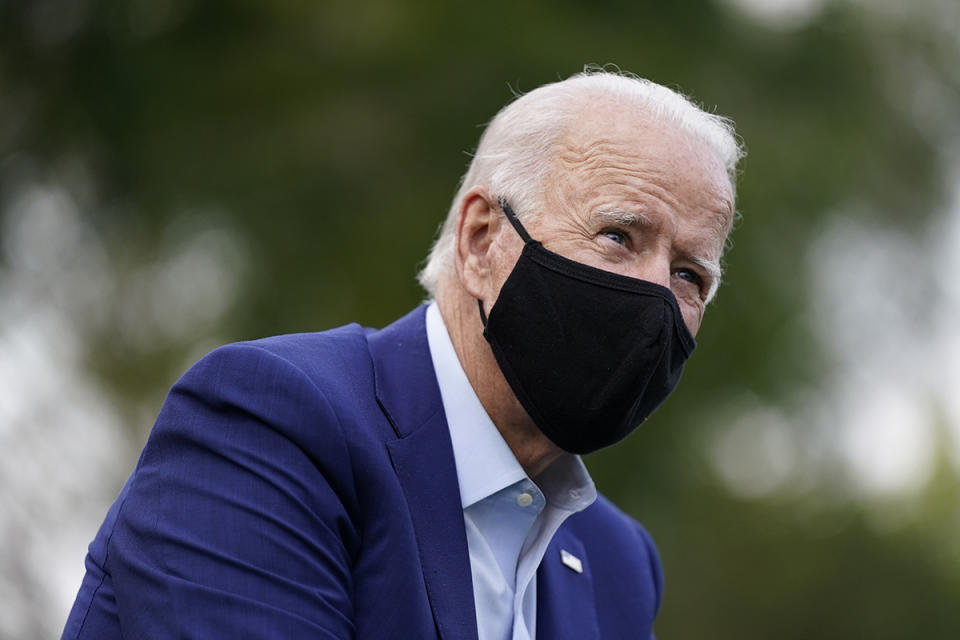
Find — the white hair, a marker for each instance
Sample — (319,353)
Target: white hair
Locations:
(514,156)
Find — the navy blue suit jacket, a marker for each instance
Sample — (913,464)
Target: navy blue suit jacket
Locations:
(304,486)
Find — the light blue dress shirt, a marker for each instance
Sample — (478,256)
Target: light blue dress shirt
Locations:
(509,518)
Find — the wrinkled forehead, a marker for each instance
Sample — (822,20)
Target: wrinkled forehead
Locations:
(629,147)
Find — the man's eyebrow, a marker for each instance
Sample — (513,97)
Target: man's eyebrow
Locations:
(711,267)
(622,216)
(714,273)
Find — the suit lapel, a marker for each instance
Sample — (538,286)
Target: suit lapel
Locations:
(565,598)
(422,457)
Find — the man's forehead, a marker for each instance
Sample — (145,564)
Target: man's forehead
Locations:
(609,135)
(664,167)
(626,163)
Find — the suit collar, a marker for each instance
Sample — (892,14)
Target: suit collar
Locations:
(406,385)
(422,456)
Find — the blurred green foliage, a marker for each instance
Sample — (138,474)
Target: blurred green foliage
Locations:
(329,138)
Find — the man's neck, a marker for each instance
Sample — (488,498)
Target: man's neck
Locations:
(532,449)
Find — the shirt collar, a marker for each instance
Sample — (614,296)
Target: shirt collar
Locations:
(484,462)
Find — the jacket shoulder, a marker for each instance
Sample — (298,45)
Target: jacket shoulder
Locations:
(621,550)
(343,349)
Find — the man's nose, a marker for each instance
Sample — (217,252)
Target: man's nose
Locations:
(653,268)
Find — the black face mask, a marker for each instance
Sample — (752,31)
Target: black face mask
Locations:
(589,354)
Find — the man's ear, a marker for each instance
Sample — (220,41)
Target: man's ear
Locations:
(478,223)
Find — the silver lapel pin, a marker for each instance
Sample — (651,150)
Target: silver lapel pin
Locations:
(571,561)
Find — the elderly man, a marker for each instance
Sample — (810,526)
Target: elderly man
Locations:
(422,481)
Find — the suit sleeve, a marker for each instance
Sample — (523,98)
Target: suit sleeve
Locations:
(234,524)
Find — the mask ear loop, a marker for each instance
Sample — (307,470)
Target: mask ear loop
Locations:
(515,223)
(514,220)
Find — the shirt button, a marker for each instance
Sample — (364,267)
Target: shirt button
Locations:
(524,499)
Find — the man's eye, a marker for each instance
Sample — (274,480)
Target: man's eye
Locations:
(690,276)
(617,236)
